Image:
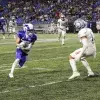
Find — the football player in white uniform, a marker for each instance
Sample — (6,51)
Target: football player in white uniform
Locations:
(12,26)
(98,25)
(62,26)
(87,39)
(52,28)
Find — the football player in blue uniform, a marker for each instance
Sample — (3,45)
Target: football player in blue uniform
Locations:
(24,41)
(2,24)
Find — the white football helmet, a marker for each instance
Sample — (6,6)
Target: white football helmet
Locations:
(62,17)
(79,24)
(28,27)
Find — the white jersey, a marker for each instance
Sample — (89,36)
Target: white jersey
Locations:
(62,24)
(12,26)
(98,25)
(98,22)
(12,23)
(89,34)
(91,48)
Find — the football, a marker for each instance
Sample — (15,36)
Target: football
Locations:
(24,44)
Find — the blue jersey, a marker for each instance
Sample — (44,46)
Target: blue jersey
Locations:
(2,23)
(20,54)
(24,37)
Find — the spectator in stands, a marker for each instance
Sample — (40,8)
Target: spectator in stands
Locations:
(2,26)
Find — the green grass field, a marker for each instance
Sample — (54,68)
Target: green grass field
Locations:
(45,74)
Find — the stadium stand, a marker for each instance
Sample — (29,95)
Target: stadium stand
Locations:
(44,11)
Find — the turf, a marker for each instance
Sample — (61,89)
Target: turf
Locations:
(45,75)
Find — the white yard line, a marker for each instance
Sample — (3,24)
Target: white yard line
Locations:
(39,40)
(50,83)
(10,69)
(31,86)
(7,91)
(38,49)
(53,47)
(9,65)
(7,52)
(26,67)
(43,40)
(48,59)
(41,69)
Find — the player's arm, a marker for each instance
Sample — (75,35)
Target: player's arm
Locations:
(18,43)
(18,40)
(67,25)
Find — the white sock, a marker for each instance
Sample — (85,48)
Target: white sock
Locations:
(3,37)
(86,64)
(59,36)
(14,65)
(14,37)
(62,41)
(73,65)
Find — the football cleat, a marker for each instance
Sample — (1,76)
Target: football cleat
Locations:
(11,75)
(74,75)
(63,44)
(91,74)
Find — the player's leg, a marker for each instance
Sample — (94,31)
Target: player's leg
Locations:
(23,60)
(90,52)
(63,37)
(87,66)
(59,34)
(9,30)
(3,32)
(15,63)
(72,61)
(14,32)
(3,35)
(99,31)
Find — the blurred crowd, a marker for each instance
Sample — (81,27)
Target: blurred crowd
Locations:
(48,10)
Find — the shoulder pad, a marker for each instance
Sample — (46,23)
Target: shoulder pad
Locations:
(82,32)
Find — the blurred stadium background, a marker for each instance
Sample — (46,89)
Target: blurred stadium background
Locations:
(42,12)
